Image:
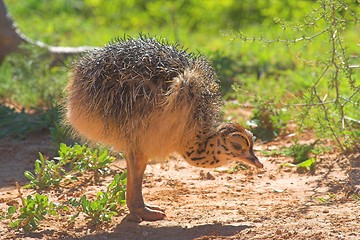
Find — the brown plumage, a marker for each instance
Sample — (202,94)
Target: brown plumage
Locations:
(149,99)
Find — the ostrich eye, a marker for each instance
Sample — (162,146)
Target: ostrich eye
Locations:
(236,145)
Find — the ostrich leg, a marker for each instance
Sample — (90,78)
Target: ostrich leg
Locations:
(139,211)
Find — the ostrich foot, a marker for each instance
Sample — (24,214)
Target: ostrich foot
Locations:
(146,213)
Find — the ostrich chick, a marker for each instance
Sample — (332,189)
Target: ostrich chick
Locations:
(149,99)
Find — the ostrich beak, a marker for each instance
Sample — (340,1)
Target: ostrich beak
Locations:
(255,161)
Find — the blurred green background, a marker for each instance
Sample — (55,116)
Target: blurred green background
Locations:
(196,23)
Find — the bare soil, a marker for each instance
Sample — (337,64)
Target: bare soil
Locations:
(271,203)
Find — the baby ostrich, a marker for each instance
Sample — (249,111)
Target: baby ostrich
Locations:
(149,99)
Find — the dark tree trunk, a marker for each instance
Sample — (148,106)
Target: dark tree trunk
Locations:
(11,37)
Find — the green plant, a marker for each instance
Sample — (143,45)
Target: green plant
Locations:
(301,154)
(47,173)
(267,120)
(82,158)
(100,209)
(33,210)
(117,188)
(104,206)
(97,162)
(330,198)
(306,164)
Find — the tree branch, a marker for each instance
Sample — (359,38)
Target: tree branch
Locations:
(11,37)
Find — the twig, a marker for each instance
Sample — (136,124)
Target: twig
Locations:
(20,194)
(305,104)
(270,41)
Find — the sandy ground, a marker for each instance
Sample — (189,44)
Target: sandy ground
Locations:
(269,203)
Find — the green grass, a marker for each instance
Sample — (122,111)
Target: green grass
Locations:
(18,122)
(28,79)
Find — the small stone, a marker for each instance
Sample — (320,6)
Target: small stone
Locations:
(209,176)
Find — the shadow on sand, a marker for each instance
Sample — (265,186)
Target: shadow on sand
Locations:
(128,230)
